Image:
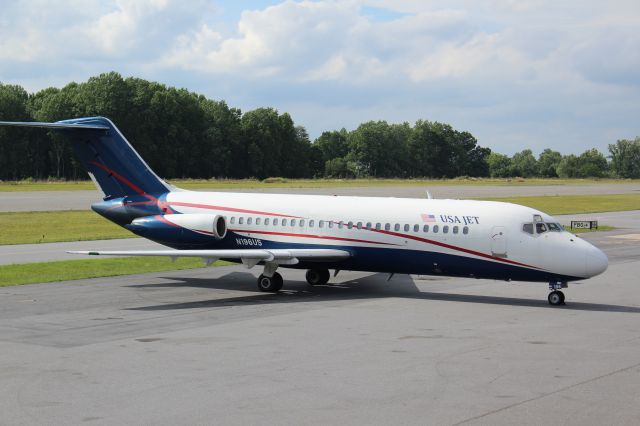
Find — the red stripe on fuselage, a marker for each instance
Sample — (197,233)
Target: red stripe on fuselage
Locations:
(452,247)
(228,209)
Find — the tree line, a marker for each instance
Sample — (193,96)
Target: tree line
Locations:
(182,134)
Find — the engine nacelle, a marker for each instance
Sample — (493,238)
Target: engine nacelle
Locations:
(177,226)
(210,224)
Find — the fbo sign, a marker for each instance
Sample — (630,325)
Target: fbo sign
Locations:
(584,224)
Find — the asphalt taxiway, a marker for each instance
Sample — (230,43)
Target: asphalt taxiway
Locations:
(204,347)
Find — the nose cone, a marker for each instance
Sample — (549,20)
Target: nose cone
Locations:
(596,262)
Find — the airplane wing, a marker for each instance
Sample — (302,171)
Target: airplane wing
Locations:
(249,257)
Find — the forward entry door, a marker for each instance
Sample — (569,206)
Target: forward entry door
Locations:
(499,241)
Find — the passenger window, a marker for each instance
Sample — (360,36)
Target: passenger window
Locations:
(350,225)
(387,226)
(435,229)
(368,225)
(541,228)
(240,220)
(416,228)
(397,227)
(249,220)
(284,222)
(301,223)
(233,220)
(378,226)
(293,222)
(425,228)
(311,223)
(275,221)
(257,221)
(359,225)
(455,229)
(528,228)
(266,221)
(330,224)
(321,224)
(445,229)
(465,230)
(340,224)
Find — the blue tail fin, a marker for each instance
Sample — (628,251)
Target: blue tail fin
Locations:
(107,156)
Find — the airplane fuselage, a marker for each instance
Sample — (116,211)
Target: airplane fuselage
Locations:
(466,238)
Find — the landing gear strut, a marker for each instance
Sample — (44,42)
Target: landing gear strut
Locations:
(271,284)
(556,297)
(318,276)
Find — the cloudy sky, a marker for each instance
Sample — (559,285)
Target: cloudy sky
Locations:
(515,73)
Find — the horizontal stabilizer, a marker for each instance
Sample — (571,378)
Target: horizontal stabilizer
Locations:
(53,125)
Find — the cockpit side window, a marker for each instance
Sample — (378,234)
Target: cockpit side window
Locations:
(528,228)
(541,228)
(554,227)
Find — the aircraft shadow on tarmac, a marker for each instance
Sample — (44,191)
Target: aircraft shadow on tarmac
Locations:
(369,287)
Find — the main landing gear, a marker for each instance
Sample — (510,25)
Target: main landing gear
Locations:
(318,276)
(556,297)
(273,283)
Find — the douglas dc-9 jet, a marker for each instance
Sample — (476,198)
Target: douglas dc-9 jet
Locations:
(459,238)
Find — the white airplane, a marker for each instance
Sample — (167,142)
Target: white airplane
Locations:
(459,238)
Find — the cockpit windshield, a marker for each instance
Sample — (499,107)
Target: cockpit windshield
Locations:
(541,227)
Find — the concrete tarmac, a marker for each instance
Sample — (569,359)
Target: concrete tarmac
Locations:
(82,200)
(203,347)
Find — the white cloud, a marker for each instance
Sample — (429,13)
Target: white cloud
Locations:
(543,72)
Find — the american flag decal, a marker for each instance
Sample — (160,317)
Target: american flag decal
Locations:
(428,218)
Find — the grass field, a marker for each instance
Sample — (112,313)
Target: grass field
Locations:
(231,184)
(43,272)
(573,204)
(601,228)
(47,227)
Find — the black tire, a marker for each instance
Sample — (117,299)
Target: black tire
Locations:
(271,284)
(317,276)
(556,298)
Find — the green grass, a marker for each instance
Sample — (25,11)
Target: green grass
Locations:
(29,273)
(48,227)
(601,228)
(231,184)
(575,204)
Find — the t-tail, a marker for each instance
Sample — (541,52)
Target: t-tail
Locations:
(130,188)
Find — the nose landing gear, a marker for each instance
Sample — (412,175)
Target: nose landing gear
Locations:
(556,297)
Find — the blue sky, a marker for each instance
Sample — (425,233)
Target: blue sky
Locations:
(516,74)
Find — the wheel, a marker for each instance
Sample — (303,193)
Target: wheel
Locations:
(270,284)
(556,298)
(318,276)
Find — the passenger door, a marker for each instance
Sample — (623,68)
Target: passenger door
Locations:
(499,241)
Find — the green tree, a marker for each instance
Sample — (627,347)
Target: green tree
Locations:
(499,165)
(16,151)
(332,144)
(524,164)
(625,158)
(548,162)
(590,163)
